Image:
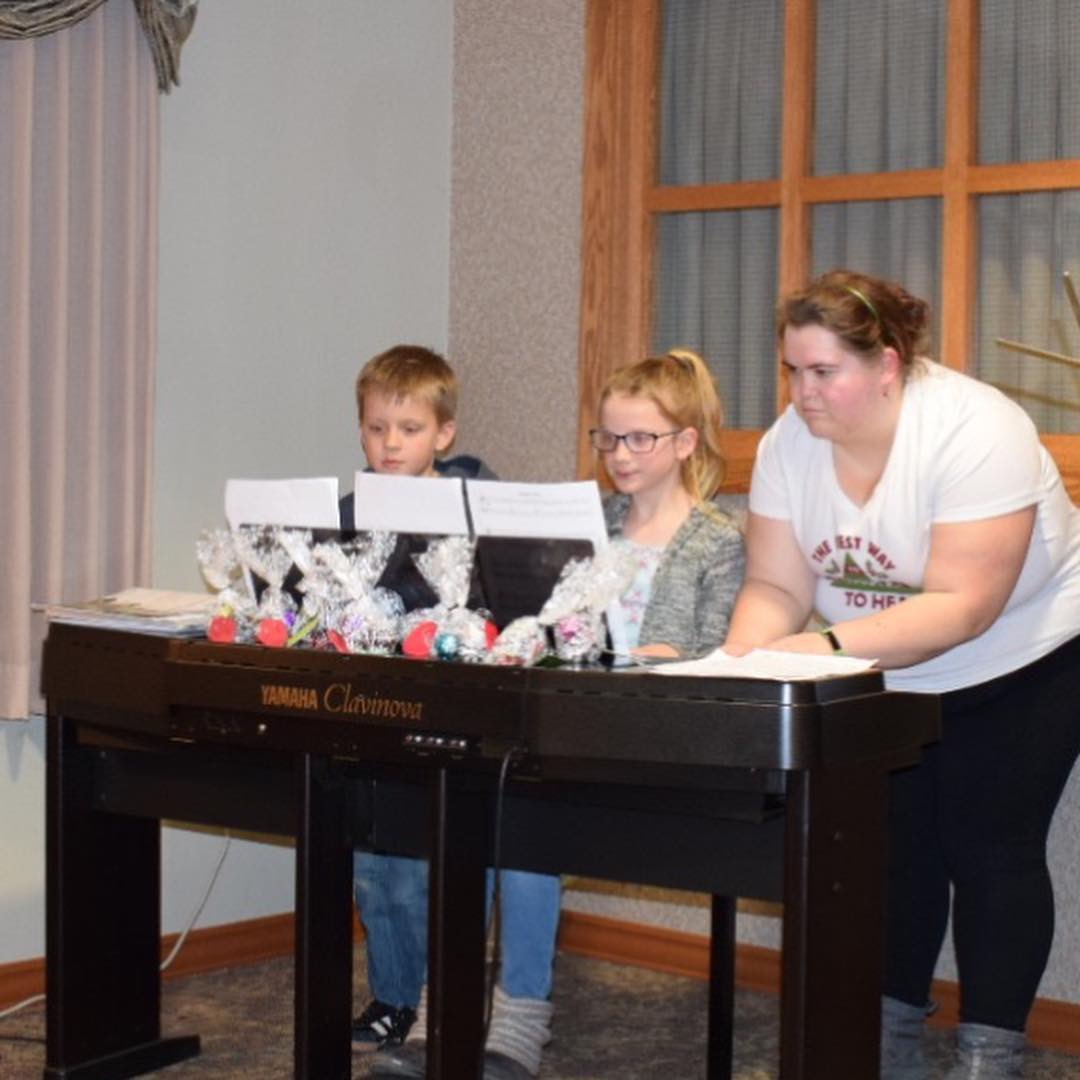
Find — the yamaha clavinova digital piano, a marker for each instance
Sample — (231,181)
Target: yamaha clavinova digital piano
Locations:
(775,790)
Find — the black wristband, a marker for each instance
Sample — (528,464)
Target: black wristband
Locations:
(832,639)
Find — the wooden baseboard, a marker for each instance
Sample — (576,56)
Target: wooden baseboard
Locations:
(212,949)
(1052,1024)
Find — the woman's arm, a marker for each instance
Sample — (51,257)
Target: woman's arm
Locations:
(972,570)
(778,594)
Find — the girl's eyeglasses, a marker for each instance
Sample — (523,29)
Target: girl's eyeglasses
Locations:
(637,442)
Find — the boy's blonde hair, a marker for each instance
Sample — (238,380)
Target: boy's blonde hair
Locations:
(683,389)
(410,371)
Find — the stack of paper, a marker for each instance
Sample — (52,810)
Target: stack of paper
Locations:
(148,611)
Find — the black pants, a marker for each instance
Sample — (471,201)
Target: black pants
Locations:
(975,815)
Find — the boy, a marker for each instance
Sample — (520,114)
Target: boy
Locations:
(406,399)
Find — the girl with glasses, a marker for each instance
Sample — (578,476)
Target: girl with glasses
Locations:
(658,441)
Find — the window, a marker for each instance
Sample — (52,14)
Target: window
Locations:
(734,149)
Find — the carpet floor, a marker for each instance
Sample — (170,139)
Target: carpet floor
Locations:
(611,1023)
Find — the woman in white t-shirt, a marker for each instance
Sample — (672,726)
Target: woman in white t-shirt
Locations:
(915,511)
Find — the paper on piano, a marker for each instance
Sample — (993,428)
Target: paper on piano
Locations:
(308,503)
(432,505)
(768,664)
(148,611)
(569,511)
(557,511)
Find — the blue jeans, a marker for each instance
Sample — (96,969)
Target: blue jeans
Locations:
(391,894)
(530,921)
(392,898)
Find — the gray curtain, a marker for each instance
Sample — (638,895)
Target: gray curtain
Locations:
(879,106)
(1030,92)
(720,121)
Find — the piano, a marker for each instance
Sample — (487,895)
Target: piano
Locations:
(775,790)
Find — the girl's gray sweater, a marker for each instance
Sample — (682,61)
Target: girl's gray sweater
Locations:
(699,574)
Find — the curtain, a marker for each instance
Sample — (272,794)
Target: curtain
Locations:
(78,173)
(166,23)
(1029,84)
(720,119)
(878,106)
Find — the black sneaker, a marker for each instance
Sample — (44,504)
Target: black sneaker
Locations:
(382,1025)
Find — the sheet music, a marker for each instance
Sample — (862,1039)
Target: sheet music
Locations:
(310,502)
(433,505)
(768,664)
(570,511)
(560,511)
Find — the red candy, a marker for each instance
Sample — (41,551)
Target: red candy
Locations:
(335,639)
(222,629)
(420,640)
(491,633)
(272,632)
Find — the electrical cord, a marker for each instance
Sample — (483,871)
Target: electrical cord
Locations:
(173,953)
(179,943)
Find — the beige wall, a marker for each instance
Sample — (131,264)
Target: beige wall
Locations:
(515,231)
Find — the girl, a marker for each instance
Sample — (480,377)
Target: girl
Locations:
(658,437)
(658,441)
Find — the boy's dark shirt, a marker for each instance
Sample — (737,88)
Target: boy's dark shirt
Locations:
(401,574)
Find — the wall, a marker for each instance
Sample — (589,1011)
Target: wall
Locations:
(515,231)
(304,227)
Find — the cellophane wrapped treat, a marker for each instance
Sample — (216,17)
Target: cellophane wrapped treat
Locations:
(261,551)
(522,642)
(341,592)
(233,619)
(450,630)
(575,609)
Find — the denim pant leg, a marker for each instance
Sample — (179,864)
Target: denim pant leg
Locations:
(391,895)
(530,921)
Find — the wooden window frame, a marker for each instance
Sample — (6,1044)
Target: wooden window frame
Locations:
(620,198)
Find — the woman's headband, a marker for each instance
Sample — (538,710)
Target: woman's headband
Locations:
(864,299)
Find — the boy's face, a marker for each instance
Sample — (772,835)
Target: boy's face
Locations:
(402,435)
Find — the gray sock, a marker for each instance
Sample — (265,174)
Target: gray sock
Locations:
(520,1028)
(418,1032)
(987,1053)
(902,1056)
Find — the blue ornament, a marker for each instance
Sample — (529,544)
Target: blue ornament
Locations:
(447,646)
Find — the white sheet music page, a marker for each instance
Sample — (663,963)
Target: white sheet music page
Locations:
(557,511)
(570,511)
(307,503)
(768,664)
(432,505)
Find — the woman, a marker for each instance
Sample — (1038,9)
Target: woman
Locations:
(915,511)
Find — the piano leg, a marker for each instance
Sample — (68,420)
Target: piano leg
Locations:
(102,929)
(322,1044)
(456,930)
(721,988)
(833,934)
